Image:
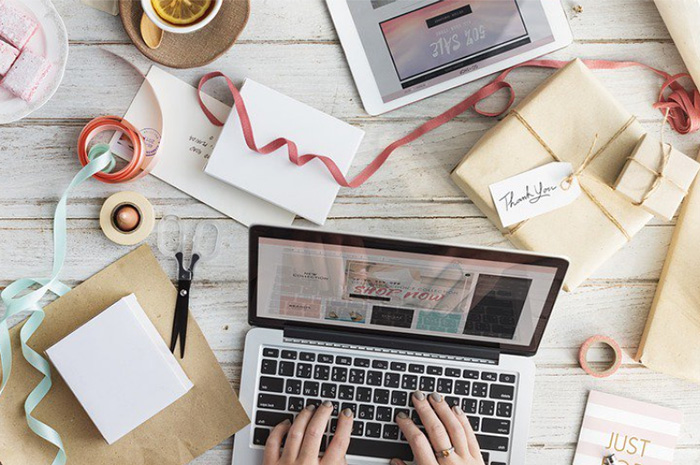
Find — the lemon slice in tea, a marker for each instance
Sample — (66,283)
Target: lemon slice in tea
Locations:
(181,12)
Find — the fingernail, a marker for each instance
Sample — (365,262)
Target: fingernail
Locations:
(395,462)
(457,410)
(287,422)
(402,415)
(436,397)
(311,407)
(419,395)
(347,412)
(327,403)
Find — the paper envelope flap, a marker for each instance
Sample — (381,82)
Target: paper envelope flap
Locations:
(205,416)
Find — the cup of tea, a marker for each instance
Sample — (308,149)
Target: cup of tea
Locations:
(181,16)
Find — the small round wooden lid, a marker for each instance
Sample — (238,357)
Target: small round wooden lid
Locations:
(189,50)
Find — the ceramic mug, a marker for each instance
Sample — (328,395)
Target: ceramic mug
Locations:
(169,27)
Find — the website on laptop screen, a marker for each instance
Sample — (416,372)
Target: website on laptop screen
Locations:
(414,44)
(401,292)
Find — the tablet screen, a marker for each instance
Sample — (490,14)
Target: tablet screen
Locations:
(414,44)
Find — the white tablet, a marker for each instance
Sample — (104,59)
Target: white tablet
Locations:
(401,51)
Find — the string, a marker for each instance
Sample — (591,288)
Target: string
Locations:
(682,105)
(16,303)
(19,297)
(587,160)
(590,156)
(660,175)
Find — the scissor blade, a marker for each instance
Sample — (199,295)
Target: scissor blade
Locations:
(175,332)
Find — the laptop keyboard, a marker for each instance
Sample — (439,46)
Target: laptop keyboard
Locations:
(376,389)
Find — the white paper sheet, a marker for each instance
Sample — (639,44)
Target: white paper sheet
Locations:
(188,143)
(119,369)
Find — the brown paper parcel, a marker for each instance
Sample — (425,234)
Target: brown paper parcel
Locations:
(657,177)
(559,121)
(671,340)
(205,416)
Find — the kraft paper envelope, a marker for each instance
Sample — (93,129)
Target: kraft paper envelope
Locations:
(671,340)
(205,416)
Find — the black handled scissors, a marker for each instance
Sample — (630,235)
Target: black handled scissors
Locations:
(174,247)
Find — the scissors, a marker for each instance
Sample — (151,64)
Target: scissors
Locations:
(173,246)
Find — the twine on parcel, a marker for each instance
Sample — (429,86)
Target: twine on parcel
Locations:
(586,162)
(660,175)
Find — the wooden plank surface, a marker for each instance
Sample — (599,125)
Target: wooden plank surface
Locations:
(286,43)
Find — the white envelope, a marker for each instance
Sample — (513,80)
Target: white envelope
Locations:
(189,140)
(309,190)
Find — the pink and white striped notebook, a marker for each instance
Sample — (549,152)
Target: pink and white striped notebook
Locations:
(637,433)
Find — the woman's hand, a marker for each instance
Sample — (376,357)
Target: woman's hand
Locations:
(448,430)
(304,438)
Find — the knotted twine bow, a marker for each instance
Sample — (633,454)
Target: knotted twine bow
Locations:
(579,171)
(659,176)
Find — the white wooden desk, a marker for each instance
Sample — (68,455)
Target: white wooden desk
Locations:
(291,46)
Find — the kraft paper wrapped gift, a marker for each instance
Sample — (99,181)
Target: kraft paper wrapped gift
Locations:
(657,177)
(559,121)
(671,340)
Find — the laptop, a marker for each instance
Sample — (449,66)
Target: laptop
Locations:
(365,321)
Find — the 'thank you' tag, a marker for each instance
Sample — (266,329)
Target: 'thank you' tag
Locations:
(534,192)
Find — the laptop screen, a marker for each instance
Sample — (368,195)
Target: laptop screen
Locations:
(496,298)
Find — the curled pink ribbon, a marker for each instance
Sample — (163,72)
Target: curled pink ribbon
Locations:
(683,107)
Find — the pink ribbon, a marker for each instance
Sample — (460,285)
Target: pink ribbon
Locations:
(683,106)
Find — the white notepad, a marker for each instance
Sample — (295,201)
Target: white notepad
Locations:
(309,190)
(119,369)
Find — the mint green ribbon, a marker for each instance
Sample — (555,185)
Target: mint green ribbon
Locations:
(100,159)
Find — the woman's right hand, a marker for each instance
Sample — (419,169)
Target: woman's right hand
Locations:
(448,429)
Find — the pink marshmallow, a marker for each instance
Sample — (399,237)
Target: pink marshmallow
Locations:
(16,27)
(26,75)
(8,55)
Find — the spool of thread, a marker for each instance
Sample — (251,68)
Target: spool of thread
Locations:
(127,218)
(583,356)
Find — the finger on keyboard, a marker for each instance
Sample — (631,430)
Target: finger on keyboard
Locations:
(436,430)
(338,447)
(472,443)
(452,425)
(296,434)
(422,451)
(274,442)
(315,431)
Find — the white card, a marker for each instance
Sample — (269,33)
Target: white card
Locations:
(534,193)
(188,143)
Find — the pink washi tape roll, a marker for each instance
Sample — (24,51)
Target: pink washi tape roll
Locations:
(583,356)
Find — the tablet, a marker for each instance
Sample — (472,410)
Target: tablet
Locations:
(401,51)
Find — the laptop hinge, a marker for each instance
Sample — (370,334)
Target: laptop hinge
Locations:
(391,344)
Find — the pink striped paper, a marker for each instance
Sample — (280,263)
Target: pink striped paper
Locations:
(637,433)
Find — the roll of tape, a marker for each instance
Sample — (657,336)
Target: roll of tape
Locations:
(583,356)
(145,220)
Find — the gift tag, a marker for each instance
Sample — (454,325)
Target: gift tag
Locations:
(534,192)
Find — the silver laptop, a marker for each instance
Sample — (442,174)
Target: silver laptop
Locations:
(365,321)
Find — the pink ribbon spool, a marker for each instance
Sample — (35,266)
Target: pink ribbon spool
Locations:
(583,356)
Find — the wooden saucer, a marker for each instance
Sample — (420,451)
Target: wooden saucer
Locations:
(189,50)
